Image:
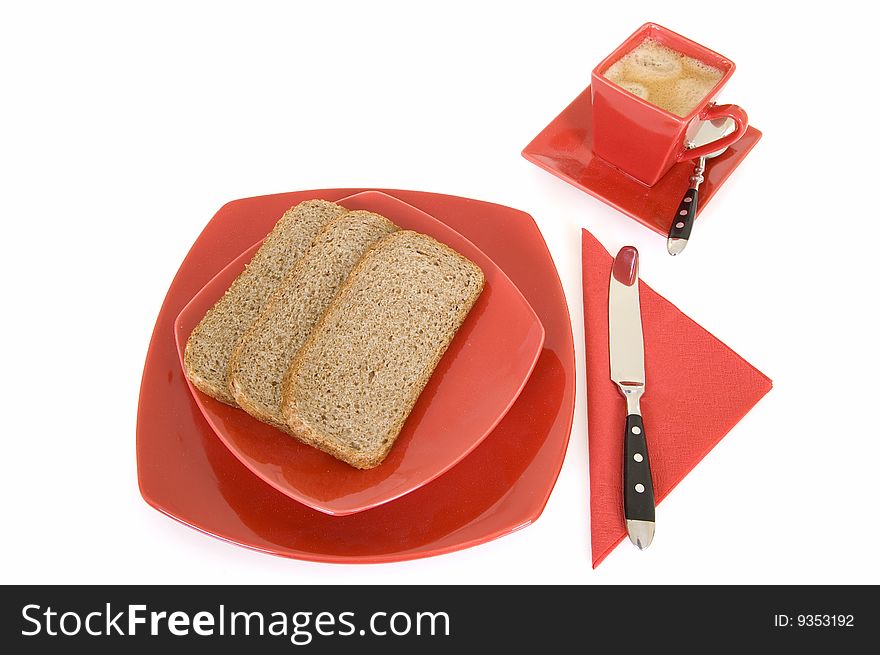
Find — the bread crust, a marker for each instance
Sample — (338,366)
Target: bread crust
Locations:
(201,383)
(299,427)
(220,390)
(234,387)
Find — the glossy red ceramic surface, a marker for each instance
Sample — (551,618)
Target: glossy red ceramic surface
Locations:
(565,148)
(640,138)
(626,266)
(186,472)
(477,380)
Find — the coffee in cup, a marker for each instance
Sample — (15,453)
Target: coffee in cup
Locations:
(650,96)
(664,77)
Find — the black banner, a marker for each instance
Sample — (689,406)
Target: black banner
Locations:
(431,619)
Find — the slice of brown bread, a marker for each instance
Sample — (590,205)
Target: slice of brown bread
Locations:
(352,385)
(211,343)
(258,364)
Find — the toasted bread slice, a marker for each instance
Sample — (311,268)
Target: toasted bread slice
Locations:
(258,364)
(211,343)
(352,385)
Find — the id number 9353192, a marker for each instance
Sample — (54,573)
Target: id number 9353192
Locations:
(814,620)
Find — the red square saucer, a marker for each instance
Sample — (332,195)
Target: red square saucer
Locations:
(565,148)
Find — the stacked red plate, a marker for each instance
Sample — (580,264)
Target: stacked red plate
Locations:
(477,458)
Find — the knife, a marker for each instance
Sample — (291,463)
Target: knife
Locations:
(627,352)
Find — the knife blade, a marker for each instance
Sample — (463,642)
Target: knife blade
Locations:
(627,354)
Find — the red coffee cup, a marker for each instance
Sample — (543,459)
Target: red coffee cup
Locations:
(644,140)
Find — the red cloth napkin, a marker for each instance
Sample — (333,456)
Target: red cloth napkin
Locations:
(697,390)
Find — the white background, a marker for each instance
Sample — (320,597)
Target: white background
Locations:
(124,129)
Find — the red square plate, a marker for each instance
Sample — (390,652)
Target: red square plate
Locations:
(565,148)
(479,377)
(185,471)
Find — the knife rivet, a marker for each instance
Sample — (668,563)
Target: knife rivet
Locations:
(679,225)
(640,487)
(683,212)
(638,457)
(636,429)
(688,199)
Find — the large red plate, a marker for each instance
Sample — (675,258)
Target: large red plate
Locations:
(476,382)
(186,472)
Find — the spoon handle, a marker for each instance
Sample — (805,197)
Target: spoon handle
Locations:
(683,221)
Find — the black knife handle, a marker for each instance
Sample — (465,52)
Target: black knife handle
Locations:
(638,490)
(683,221)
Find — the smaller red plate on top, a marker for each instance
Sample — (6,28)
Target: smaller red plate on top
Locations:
(565,148)
(478,379)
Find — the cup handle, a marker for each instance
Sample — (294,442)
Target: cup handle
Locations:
(713,112)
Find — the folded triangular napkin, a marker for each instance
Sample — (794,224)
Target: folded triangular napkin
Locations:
(697,390)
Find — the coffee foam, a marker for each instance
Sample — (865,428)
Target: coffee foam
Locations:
(636,89)
(664,77)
